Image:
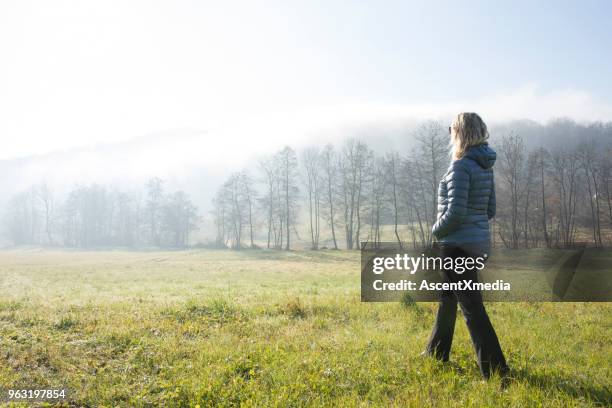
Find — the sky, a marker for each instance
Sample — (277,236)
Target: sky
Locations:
(251,75)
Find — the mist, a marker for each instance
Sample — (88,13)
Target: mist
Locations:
(183,161)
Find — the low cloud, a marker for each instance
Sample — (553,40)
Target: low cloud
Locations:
(212,153)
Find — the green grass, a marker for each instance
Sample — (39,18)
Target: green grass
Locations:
(267,328)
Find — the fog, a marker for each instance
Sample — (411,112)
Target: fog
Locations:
(116,93)
(198,162)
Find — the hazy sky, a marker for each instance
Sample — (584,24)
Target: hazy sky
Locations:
(253,73)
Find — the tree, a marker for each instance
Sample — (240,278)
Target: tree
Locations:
(511,165)
(22,217)
(605,175)
(235,208)
(416,193)
(269,200)
(564,176)
(530,176)
(249,196)
(288,190)
(392,171)
(178,220)
(378,201)
(353,170)
(330,170)
(590,165)
(126,221)
(219,214)
(541,158)
(312,161)
(433,141)
(155,202)
(86,217)
(45,196)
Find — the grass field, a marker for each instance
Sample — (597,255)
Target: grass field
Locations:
(267,328)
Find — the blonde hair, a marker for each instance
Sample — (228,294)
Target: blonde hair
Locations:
(468,129)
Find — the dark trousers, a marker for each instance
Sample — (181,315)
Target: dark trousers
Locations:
(488,351)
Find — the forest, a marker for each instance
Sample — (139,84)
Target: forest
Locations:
(96,216)
(553,187)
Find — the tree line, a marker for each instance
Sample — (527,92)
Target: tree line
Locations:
(339,196)
(555,197)
(96,216)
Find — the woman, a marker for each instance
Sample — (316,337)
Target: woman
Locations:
(466,203)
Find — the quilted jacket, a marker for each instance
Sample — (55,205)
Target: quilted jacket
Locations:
(466,198)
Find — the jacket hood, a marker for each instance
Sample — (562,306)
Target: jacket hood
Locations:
(483,155)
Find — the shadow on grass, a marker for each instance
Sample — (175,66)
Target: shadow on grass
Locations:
(569,385)
(565,275)
(601,395)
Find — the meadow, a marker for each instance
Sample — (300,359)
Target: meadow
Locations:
(270,328)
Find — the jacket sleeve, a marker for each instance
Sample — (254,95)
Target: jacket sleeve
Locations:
(492,207)
(458,187)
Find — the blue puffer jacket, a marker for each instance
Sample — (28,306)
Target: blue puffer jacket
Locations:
(466,199)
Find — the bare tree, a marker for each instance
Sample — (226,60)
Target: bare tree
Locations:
(392,172)
(268,200)
(433,141)
(237,212)
(126,229)
(86,217)
(353,169)
(155,202)
(542,155)
(589,161)
(311,159)
(179,220)
(530,186)
(330,171)
(288,192)
(512,166)
(22,218)
(220,214)
(45,195)
(378,207)
(416,191)
(606,180)
(249,197)
(565,178)
(408,193)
